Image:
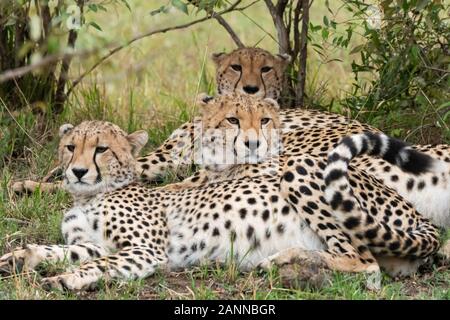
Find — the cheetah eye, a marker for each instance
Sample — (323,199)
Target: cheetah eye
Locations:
(70,147)
(266,69)
(233,120)
(100,149)
(236,67)
(265,120)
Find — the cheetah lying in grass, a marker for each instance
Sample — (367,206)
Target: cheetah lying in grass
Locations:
(117,229)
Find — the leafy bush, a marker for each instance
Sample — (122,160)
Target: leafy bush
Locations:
(407,53)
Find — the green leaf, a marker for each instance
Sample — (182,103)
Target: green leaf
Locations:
(325,34)
(101,7)
(422,4)
(325,21)
(180,6)
(93,7)
(405,5)
(162,9)
(314,28)
(52,44)
(95,25)
(125,2)
(10,22)
(327,4)
(357,49)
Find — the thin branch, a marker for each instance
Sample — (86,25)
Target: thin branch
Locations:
(301,76)
(297,11)
(282,32)
(281,6)
(47,60)
(226,25)
(60,94)
(230,31)
(258,25)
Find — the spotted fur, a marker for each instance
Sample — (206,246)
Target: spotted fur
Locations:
(128,231)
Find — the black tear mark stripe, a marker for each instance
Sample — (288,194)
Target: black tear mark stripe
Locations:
(235,141)
(239,80)
(117,158)
(263,83)
(99,175)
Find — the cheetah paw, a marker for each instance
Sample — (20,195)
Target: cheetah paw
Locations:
(289,256)
(298,268)
(13,262)
(25,186)
(265,264)
(67,282)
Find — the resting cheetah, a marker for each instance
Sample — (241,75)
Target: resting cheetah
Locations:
(117,229)
(429,192)
(413,162)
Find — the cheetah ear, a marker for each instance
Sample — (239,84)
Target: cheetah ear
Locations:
(203,99)
(64,129)
(273,103)
(284,59)
(218,57)
(137,141)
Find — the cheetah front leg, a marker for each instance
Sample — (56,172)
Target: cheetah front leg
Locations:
(50,183)
(32,255)
(130,263)
(30,186)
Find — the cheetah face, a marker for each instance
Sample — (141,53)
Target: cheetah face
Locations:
(98,156)
(238,129)
(251,71)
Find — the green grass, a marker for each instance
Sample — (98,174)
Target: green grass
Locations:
(152,85)
(36,218)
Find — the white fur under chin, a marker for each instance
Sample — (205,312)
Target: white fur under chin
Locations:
(90,190)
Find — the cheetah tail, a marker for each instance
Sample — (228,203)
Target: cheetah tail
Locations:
(392,150)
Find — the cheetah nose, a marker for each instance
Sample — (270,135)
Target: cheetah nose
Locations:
(251,89)
(252,145)
(79,173)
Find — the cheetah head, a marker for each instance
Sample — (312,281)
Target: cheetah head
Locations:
(251,71)
(98,156)
(237,129)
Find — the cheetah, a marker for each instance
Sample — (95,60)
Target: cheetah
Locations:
(414,162)
(430,196)
(118,229)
